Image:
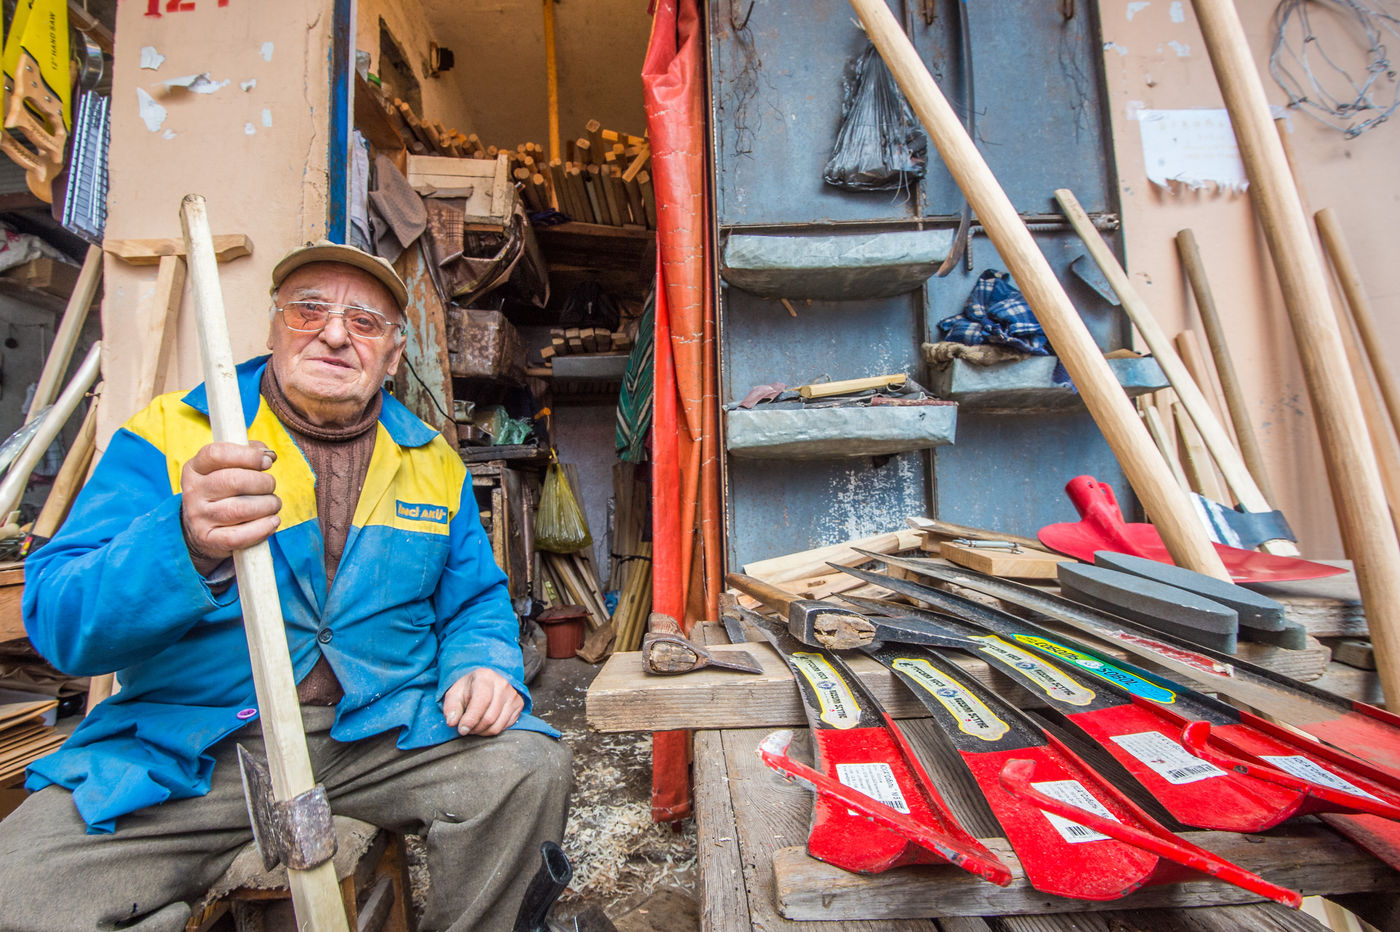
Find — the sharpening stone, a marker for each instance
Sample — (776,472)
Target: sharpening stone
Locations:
(1253,609)
(1156,605)
(1294,636)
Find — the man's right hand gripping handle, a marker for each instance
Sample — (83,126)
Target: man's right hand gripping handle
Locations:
(227,501)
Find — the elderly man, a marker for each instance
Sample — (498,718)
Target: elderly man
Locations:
(401,633)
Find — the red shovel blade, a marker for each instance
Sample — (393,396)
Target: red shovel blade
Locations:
(1103,528)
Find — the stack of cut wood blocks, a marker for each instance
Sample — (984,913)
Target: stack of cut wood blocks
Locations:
(24,737)
(575,341)
(603,179)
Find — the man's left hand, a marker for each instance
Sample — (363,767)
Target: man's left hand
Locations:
(482,703)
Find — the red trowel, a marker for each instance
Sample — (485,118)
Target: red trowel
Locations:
(1103,528)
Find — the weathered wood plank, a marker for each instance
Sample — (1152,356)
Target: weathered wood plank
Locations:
(722,894)
(430,394)
(1329,607)
(624,698)
(814,562)
(1304,857)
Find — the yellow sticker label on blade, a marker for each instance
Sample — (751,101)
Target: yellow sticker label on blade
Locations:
(972,715)
(1056,684)
(839,707)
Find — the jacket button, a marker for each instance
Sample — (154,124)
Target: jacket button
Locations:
(324,635)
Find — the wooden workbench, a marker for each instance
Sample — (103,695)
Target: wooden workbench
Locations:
(752,827)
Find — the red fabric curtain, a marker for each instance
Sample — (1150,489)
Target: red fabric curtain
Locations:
(685,488)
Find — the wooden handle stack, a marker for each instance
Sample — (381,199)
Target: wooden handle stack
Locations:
(1331,388)
(574,341)
(603,180)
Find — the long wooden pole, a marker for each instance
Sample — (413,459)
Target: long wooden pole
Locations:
(69,329)
(1331,389)
(17,477)
(1224,365)
(1379,427)
(315,893)
(1166,504)
(1188,393)
(551,69)
(1359,303)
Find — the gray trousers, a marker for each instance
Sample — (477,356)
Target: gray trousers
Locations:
(484,806)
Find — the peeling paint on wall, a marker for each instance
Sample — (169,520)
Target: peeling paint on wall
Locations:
(1136,8)
(266,117)
(152,113)
(249,129)
(150,58)
(1181,49)
(266,51)
(249,84)
(195,83)
(1177,12)
(1115,47)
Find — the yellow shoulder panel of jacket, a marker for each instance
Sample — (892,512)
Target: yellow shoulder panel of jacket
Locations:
(419,488)
(178,431)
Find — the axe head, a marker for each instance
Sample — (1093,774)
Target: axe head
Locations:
(821,624)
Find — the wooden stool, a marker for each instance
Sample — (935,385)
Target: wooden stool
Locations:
(370,864)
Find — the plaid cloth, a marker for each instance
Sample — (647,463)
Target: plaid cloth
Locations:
(996,312)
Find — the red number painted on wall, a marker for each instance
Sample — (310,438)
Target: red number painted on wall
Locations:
(173,6)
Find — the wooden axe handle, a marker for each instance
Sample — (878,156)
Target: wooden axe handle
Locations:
(315,895)
(1166,504)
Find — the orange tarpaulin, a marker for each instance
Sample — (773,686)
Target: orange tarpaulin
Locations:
(685,474)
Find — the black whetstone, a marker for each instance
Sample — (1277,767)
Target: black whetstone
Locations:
(1157,605)
(1253,609)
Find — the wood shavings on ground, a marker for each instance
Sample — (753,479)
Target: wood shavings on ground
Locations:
(618,853)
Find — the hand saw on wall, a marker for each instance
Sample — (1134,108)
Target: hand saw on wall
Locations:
(38,92)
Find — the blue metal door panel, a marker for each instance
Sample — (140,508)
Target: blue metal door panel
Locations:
(777,79)
(1040,121)
(827,340)
(783,510)
(776,84)
(1008,472)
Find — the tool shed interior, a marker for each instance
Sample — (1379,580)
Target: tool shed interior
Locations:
(759,323)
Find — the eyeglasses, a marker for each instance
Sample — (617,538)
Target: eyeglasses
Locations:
(312,317)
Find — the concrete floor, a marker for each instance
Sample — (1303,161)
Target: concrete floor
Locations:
(641,874)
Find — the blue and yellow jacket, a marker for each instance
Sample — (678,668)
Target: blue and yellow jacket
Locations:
(417,602)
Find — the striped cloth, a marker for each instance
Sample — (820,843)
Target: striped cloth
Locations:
(634,402)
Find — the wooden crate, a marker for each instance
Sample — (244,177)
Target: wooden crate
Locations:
(485,184)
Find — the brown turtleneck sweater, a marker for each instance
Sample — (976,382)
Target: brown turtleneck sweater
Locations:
(339,458)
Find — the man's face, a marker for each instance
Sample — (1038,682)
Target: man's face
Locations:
(330,376)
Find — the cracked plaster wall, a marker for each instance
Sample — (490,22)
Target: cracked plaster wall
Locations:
(255,147)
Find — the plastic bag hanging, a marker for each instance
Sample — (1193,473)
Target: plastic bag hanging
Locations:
(560,526)
(880,146)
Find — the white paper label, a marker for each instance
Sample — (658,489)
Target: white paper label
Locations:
(875,780)
(1305,768)
(1074,793)
(1170,760)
